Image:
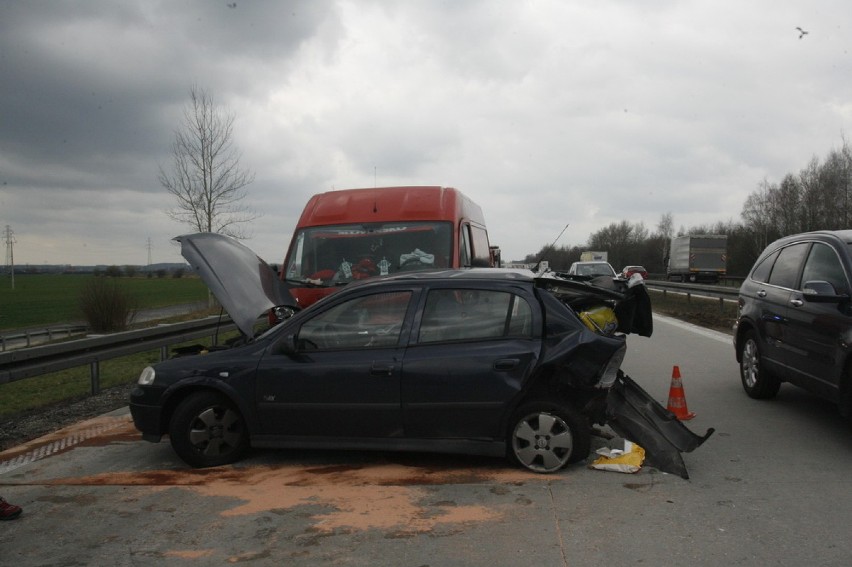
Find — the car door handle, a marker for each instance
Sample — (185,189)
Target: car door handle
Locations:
(381,370)
(761,293)
(506,364)
(797,302)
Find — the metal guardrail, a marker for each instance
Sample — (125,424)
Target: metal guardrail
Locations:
(726,281)
(722,293)
(35,361)
(40,335)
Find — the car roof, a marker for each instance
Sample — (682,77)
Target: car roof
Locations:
(465,274)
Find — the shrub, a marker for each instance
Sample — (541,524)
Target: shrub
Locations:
(106,305)
(113,272)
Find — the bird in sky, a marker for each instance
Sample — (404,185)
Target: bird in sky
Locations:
(802,33)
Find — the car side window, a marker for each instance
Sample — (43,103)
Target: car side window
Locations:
(468,314)
(786,268)
(824,265)
(369,321)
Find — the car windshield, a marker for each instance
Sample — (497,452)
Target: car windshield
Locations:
(594,270)
(329,255)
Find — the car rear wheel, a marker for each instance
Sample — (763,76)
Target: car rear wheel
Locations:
(757,382)
(207,430)
(545,437)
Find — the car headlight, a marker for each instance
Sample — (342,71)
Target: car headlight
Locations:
(610,372)
(147,376)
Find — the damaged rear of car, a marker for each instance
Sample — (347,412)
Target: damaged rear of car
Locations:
(478,361)
(613,306)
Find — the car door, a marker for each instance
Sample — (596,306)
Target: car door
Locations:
(470,357)
(772,302)
(816,329)
(344,379)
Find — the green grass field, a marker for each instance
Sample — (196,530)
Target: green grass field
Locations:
(53,299)
(47,299)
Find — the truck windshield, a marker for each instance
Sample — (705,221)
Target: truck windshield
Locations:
(333,255)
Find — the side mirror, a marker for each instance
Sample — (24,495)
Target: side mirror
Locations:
(818,291)
(288,345)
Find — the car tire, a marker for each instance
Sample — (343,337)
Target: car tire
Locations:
(757,382)
(207,430)
(544,437)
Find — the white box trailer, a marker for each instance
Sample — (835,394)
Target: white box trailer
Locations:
(698,258)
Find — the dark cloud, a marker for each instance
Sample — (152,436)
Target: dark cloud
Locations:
(545,112)
(86,80)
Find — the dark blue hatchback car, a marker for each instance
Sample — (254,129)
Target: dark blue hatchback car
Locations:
(479,361)
(794,320)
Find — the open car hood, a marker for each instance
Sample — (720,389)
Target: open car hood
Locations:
(243,283)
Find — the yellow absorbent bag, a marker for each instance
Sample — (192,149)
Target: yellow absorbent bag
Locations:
(628,460)
(601,320)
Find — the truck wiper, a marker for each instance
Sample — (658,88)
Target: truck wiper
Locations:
(304,283)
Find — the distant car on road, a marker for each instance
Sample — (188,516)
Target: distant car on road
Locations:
(628,271)
(478,361)
(794,320)
(591,269)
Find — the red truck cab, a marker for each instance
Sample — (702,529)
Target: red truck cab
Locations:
(352,234)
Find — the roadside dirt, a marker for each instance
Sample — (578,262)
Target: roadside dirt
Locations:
(36,423)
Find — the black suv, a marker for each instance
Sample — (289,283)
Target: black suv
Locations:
(794,321)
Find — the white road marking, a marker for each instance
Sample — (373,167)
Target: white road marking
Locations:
(50,448)
(715,335)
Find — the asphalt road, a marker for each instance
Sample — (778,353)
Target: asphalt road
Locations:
(771,486)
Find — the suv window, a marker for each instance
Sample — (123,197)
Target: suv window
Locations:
(464,314)
(761,271)
(786,268)
(824,265)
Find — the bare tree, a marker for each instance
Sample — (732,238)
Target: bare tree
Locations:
(665,231)
(205,177)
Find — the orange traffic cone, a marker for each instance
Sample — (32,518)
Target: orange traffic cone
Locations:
(677,399)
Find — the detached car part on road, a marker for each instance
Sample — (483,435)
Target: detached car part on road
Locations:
(479,361)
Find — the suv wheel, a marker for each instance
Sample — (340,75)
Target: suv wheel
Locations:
(757,382)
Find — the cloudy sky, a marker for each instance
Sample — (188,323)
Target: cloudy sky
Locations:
(545,112)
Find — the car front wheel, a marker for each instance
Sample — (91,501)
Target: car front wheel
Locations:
(757,382)
(207,430)
(545,437)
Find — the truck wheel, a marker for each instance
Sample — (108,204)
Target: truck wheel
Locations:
(545,437)
(758,383)
(207,430)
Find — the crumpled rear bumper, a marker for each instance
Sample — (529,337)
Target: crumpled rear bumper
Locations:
(638,417)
